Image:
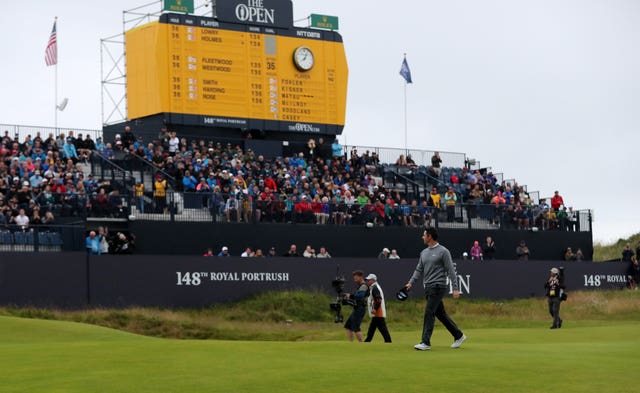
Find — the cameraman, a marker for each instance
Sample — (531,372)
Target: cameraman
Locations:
(358,300)
(554,287)
(634,273)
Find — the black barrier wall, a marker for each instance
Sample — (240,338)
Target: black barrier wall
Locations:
(43,279)
(191,238)
(73,281)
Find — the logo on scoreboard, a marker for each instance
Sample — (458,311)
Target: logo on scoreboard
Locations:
(304,127)
(278,13)
(247,13)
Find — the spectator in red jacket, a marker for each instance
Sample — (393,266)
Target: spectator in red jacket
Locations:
(316,209)
(269,182)
(303,210)
(556,201)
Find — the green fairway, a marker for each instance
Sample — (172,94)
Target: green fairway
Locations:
(53,356)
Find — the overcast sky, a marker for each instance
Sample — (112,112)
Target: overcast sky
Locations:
(546,92)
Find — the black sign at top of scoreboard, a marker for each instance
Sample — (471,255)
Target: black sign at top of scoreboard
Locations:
(276,13)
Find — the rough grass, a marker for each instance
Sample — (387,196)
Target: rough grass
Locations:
(610,252)
(300,315)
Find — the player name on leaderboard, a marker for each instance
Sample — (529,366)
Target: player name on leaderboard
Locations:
(228,74)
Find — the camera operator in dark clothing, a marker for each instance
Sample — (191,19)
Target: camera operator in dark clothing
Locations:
(634,273)
(358,300)
(554,290)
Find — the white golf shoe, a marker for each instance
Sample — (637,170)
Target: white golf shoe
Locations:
(458,342)
(422,347)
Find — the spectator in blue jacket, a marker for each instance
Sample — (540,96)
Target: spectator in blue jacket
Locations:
(99,144)
(108,152)
(93,244)
(69,150)
(211,180)
(189,182)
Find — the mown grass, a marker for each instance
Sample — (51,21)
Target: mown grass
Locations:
(305,316)
(610,252)
(58,356)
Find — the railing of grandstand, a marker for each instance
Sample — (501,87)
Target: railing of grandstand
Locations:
(535,196)
(429,181)
(412,189)
(210,207)
(22,131)
(106,169)
(147,171)
(421,157)
(42,238)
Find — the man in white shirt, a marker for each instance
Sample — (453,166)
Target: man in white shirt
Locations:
(174,143)
(21,219)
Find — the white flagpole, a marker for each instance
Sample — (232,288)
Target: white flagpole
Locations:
(55,102)
(405,114)
(405,118)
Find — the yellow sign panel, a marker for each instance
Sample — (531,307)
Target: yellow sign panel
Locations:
(259,78)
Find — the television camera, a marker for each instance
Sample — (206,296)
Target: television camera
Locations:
(563,294)
(341,298)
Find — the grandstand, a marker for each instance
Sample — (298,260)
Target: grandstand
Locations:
(117,189)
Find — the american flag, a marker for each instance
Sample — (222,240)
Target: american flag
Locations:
(51,53)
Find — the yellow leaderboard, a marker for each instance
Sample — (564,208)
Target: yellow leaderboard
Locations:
(199,71)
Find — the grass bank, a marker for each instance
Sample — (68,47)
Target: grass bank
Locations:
(609,252)
(305,316)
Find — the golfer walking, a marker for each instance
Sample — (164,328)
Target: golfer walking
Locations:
(435,266)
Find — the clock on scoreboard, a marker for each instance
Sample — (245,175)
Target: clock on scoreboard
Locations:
(203,71)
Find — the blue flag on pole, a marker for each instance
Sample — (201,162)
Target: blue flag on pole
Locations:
(405,72)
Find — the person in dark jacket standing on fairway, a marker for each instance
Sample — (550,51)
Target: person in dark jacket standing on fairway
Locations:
(359,302)
(435,265)
(554,288)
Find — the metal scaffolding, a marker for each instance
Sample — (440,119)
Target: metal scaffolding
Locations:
(113,60)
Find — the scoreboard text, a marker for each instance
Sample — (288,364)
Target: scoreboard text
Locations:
(200,71)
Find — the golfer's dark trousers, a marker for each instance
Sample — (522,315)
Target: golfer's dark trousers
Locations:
(554,310)
(380,324)
(433,309)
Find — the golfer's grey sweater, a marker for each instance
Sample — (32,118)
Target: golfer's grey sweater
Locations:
(435,265)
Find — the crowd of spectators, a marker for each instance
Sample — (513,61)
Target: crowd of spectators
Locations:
(503,203)
(479,252)
(42,179)
(319,184)
(510,205)
(309,252)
